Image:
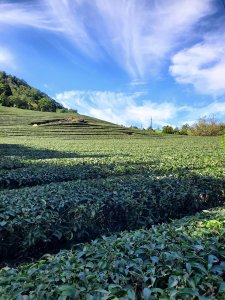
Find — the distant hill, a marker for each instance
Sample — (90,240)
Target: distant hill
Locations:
(15,92)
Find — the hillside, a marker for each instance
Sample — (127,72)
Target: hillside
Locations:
(17,93)
(21,122)
(26,111)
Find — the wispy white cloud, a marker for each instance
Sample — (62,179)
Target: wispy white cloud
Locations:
(119,108)
(137,35)
(7,59)
(128,109)
(202,65)
(24,14)
(137,83)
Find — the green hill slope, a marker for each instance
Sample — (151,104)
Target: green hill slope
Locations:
(17,93)
(21,122)
(26,111)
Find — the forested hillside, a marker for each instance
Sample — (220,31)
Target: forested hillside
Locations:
(17,93)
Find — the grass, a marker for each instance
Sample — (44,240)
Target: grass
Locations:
(61,185)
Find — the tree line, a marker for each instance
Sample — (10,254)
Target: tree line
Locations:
(206,126)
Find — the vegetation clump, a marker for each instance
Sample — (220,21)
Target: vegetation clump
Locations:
(206,126)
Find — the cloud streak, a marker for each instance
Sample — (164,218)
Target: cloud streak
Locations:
(22,14)
(137,35)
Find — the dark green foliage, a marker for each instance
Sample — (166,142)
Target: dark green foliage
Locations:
(70,110)
(5,88)
(133,127)
(182,260)
(61,110)
(185,129)
(46,104)
(66,110)
(45,214)
(5,93)
(176,130)
(167,129)
(17,93)
(4,100)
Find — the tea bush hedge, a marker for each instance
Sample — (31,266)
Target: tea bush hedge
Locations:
(181,260)
(32,219)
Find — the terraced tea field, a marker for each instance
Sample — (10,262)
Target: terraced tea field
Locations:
(66,184)
(17,122)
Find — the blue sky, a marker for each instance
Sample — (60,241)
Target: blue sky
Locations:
(124,61)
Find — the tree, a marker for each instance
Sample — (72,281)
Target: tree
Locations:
(4,100)
(3,75)
(167,129)
(5,88)
(176,130)
(72,110)
(46,104)
(17,101)
(184,129)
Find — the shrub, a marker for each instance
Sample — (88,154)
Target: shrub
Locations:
(207,127)
(61,110)
(167,129)
(176,130)
(185,129)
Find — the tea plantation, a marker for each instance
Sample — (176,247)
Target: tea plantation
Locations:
(103,197)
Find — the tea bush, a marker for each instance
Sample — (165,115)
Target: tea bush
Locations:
(33,218)
(181,260)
